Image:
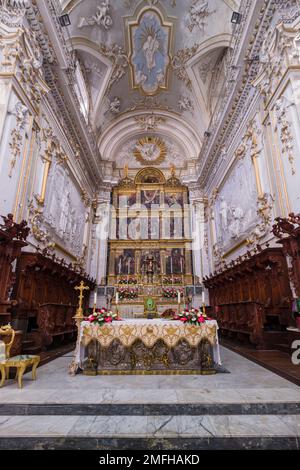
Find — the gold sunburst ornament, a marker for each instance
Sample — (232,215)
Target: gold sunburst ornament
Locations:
(150,150)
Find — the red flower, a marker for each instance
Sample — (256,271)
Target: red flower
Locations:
(108,319)
(91,318)
(201,319)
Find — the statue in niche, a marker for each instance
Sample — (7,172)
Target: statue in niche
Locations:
(150,267)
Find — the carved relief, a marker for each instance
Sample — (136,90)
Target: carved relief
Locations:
(185,104)
(36,221)
(17,134)
(114,105)
(150,150)
(198,12)
(149,122)
(179,61)
(285,131)
(101,17)
(22,56)
(118,56)
(236,211)
(278,52)
(264,212)
(172,154)
(62,214)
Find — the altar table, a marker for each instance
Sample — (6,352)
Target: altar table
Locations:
(148,346)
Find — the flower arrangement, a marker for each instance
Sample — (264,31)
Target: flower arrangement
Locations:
(171,293)
(193,316)
(102,316)
(127,280)
(127,293)
(172,280)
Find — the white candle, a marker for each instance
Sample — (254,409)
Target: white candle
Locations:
(203,297)
(95,298)
(117,297)
(178,295)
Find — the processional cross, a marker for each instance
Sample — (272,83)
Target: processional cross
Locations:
(81,288)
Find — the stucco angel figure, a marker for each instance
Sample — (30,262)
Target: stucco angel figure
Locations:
(114,105)
(100,18)
(198,11)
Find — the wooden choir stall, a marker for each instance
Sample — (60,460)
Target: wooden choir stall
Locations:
(251,297)
(46,299)
(12,239)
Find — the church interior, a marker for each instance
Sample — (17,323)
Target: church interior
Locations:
(150,224)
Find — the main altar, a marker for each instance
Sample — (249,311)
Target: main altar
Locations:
(143,346)
(149,251)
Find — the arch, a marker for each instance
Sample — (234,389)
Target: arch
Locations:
(150,175)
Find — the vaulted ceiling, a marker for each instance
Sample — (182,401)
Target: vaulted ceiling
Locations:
(152,73)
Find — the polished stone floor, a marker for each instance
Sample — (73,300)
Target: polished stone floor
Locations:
(247,382)
(234,395)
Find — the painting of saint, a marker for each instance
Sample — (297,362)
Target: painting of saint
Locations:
(176,226)
(174,200)
(150,55)
(124,264)
(153,227)
(175,262)
(127,200)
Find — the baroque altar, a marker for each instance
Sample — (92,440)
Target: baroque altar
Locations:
(147,347)
(150,241)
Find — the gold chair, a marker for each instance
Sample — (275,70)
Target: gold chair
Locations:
(20,362)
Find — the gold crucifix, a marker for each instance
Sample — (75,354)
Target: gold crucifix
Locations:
(81,288)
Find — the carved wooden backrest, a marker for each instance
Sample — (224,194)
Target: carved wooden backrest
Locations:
(7,330)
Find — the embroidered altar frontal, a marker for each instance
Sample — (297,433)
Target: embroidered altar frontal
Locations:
(149,347)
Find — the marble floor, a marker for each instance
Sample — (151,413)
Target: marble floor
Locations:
(227,406)
(247,382)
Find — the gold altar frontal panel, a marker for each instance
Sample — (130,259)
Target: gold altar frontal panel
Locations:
(146,347)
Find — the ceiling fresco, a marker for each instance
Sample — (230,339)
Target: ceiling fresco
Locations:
(152,67)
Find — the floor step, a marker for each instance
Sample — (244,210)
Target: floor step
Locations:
(150,432)
(150,409)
